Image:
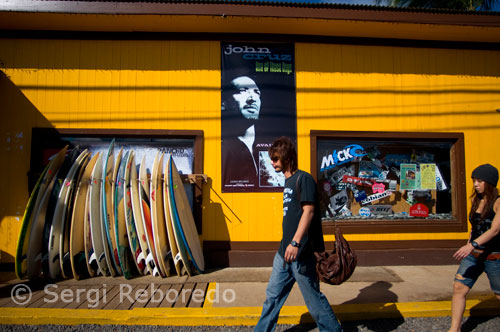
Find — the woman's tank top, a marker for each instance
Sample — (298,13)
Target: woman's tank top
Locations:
(480,226)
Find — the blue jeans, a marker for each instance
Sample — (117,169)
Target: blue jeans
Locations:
(471,268)
(280,284)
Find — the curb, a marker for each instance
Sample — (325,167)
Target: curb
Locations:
(213,316)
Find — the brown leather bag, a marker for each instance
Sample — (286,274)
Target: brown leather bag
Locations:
(337,266)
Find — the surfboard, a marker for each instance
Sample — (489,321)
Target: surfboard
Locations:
(57,224)
(90,259)
(79,218)
(176,256)
(135,248)
(30,220)
(53,199)
(95,212)
(35,247)
(138,219)
(64,246)
(163,253)
(112,226)
(184,226)
(109,240)
(24,234)
(120,224)
(146,214)
(181,246)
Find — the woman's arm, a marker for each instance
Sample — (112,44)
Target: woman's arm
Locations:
(465,250)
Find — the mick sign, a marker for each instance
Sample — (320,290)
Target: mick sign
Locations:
(345,155)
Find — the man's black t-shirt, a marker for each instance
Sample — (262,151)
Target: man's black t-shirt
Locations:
(292,212)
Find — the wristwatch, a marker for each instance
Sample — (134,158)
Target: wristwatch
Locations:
(295,244)
(474,244)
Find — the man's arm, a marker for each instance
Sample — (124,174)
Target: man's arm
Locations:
(304,223)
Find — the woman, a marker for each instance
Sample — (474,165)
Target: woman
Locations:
(482,251)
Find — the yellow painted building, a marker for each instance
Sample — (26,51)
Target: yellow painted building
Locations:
(356,70)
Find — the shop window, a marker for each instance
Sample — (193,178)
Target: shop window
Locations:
(186,147)
(387,182)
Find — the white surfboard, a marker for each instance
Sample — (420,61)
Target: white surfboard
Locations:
(138,219)
(96,215)
(183,222)
(145,206)
(60,211)
(135,247)
(79,219)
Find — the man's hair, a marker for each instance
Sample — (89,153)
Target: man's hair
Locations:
(285,149)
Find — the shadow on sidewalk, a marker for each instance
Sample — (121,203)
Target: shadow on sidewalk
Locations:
(377,293)
(482,312)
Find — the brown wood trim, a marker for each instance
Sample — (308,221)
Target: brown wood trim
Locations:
(264,9)
(245,37)
(457,161)
(209,246)
(369,253)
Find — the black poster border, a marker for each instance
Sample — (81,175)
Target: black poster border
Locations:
(258,105)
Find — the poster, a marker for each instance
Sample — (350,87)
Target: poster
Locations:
(408,180)
(428,176)
(258,105)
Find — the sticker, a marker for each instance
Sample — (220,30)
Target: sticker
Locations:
(364,212)
(419,210)
(380,209)
(428,176)
(409,197)
(396,171)
(345,211)
(408,180)
(353,188)
(339,200)
(378,188)
(337,176)
(357,181)
(360,196)
(376,197)
(327,187)
(393,185)
(341,186)
(368,169)
(440,183)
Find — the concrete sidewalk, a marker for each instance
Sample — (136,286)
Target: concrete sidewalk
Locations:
(234,296)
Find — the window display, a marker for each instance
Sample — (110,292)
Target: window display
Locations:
(373,176)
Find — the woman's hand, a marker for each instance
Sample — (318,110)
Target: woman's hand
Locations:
(463,252)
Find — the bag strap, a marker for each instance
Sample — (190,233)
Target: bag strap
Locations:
(297,186)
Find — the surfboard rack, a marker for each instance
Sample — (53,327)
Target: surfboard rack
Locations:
(193,178)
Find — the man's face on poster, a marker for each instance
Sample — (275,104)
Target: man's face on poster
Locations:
(247,97)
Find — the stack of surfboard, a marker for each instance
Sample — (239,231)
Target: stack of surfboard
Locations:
(97,215)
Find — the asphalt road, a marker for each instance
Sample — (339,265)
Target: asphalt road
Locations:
(476,324)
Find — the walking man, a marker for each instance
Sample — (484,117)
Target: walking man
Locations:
(302,235)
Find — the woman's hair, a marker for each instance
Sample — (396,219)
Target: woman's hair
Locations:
(285,149)
(490,194)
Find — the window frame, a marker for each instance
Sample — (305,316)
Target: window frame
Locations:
(458,223)
(54,133)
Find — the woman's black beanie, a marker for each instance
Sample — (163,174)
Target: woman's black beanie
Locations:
(487,173)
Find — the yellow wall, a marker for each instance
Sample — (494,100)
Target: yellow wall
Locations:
(176,85)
